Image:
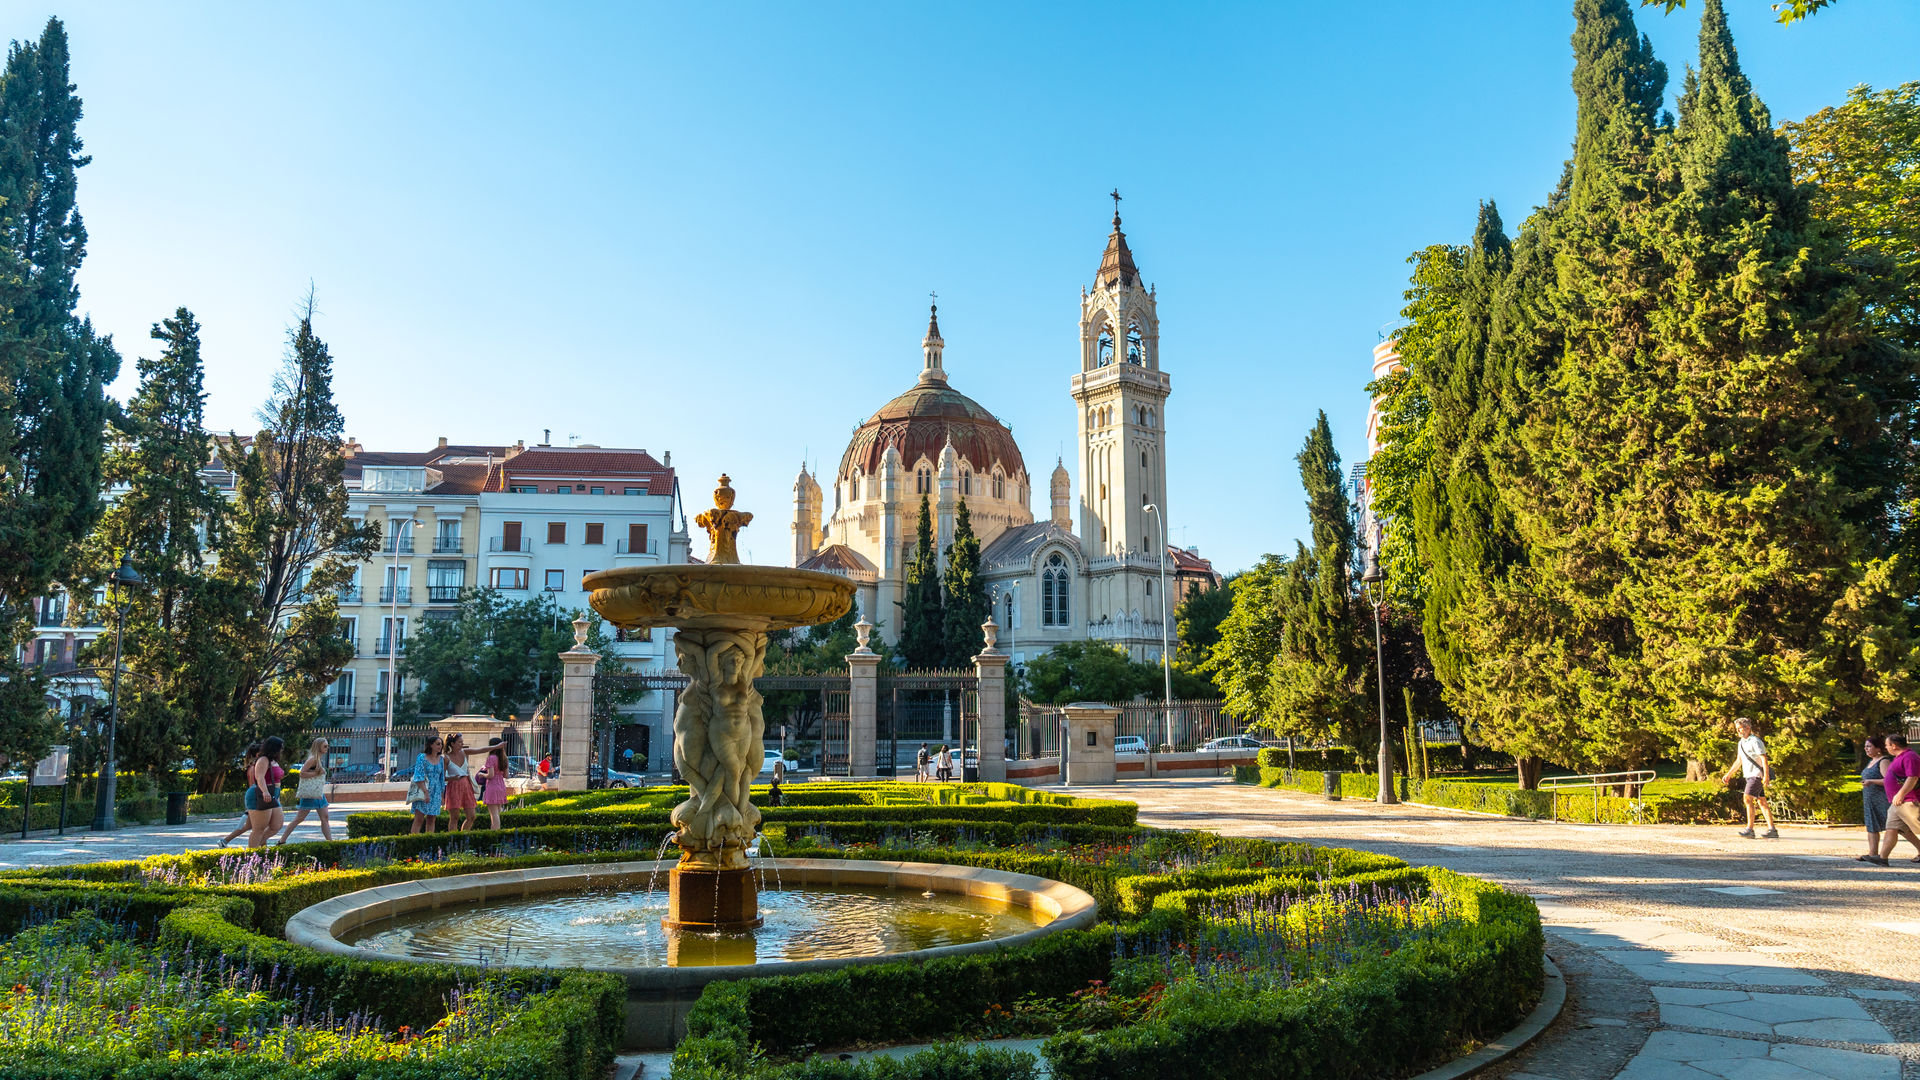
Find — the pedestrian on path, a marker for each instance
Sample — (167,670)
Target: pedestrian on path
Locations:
(311,794)
(459,798)
(1899,776)
(429,785)
(920,763)
(1873,798)
(1755,771)
(263,792)
(945,764)
(246,764)
(493,777)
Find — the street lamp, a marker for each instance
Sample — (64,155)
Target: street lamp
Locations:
(1166,669)
(393,627)
(123,581)
(1375,580)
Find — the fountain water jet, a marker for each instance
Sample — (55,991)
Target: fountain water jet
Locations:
(721,611)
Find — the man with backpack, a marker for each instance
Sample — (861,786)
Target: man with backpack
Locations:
(1750,758)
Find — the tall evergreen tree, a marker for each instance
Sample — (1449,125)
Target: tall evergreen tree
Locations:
(1316,685)
(175,641)
(54,370)
(1765,579)
(923,640)
(289,545)
(966,604)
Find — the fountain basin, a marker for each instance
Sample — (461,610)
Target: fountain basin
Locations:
(658,997)
(726,596)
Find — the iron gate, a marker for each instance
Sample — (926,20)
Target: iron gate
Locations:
(930,708)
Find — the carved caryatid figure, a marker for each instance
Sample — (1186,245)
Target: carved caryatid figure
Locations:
(723,524)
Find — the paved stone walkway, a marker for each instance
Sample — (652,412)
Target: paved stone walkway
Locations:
(1689,952)
(139,841)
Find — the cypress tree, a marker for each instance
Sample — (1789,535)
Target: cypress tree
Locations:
(1766,581)
(1316,685)
(54,409)
(966,604)
(922,623)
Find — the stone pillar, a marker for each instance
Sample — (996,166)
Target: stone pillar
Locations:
(863,704)
(576,710)
(991,669)
(1088,748)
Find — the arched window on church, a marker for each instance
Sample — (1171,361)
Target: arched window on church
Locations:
(966,481)
(1103,349)
(1054,608)
(1136,350)
(1007,619)
(999,485)
(923,479)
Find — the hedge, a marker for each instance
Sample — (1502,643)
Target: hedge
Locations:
(1440,757)
(1083,811)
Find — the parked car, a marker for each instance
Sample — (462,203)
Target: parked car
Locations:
(768,757)
(1233,742)
(1130,744)
(599,776)
(364,772)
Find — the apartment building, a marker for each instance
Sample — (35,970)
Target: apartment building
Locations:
(551,515)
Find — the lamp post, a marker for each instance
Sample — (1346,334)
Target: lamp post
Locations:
(393,627)
(1375,580)
(1166,669)
(124,579)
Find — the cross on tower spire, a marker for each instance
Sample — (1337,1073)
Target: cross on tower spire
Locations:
(1115,196)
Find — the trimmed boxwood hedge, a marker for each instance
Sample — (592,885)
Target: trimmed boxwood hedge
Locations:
(1082,812)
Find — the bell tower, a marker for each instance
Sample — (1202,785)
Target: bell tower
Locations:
(1120,394)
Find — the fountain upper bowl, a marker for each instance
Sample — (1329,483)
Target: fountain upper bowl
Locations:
(718,596)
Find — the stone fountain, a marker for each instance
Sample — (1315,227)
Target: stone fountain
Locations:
(722,611)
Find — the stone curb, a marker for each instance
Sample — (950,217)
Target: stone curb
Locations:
(1553,998)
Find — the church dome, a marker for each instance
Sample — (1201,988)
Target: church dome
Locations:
(921,422)
(926,419)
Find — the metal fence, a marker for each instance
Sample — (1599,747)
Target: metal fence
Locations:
(1181,725)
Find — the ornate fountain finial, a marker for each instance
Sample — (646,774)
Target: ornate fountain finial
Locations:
(723,524)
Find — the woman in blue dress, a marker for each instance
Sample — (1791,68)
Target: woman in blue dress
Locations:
(1873,801)
(428,786)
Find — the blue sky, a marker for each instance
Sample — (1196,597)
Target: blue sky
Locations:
(713,228)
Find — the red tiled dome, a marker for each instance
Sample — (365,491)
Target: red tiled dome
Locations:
(920,422)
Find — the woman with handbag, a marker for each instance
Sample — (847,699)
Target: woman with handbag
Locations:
(312,791)
(428,787)
(263,792)
(493,779)
(459,797)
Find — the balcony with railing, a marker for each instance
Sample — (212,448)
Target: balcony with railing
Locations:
(52,614)
(445,594)
(389,646)
(347,594)
(399,545)
(390,594)
(520,544)
(628,553)
(448,545)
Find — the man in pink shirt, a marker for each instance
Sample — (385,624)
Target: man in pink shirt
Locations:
(1901,774)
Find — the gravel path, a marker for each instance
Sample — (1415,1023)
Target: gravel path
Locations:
(1689,952)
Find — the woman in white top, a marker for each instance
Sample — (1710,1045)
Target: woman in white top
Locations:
(459,798)
(312,792)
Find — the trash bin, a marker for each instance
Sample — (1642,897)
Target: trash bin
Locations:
(176,808)
(1330,781)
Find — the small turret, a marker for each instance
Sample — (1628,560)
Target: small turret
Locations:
(807,504)
(931,347)
(1062,516)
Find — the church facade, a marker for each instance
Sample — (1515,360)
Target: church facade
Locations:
(1092,567)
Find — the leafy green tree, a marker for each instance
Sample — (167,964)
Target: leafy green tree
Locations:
(1088,671)
(175,647)
(288,546)
(1197,623)
(1862,163)
(54,409)
(810,650)
(923,629)
(965,603)
(1241,661)
(1787,11)
(495,656)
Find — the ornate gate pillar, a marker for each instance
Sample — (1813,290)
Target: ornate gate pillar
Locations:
(863,704)
(990,667)
(576,710)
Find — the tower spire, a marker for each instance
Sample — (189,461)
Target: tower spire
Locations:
(1116,265)
(932,345)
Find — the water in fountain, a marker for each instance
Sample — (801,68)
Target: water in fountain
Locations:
(660,856)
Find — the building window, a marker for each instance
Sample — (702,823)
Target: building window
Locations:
(1103,350)
(522,489)
(923,480)
(999,486)
(556,580)
(556,532)
(596,532)
(509,577)
(445,580)
(634,491)
(636,540)
(966,482)
(598,490)
(645,634)
(339,695)
(563,489)
(1054,607)
(1136,351)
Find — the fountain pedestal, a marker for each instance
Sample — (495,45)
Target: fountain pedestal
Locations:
(711,900)
(722,611)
